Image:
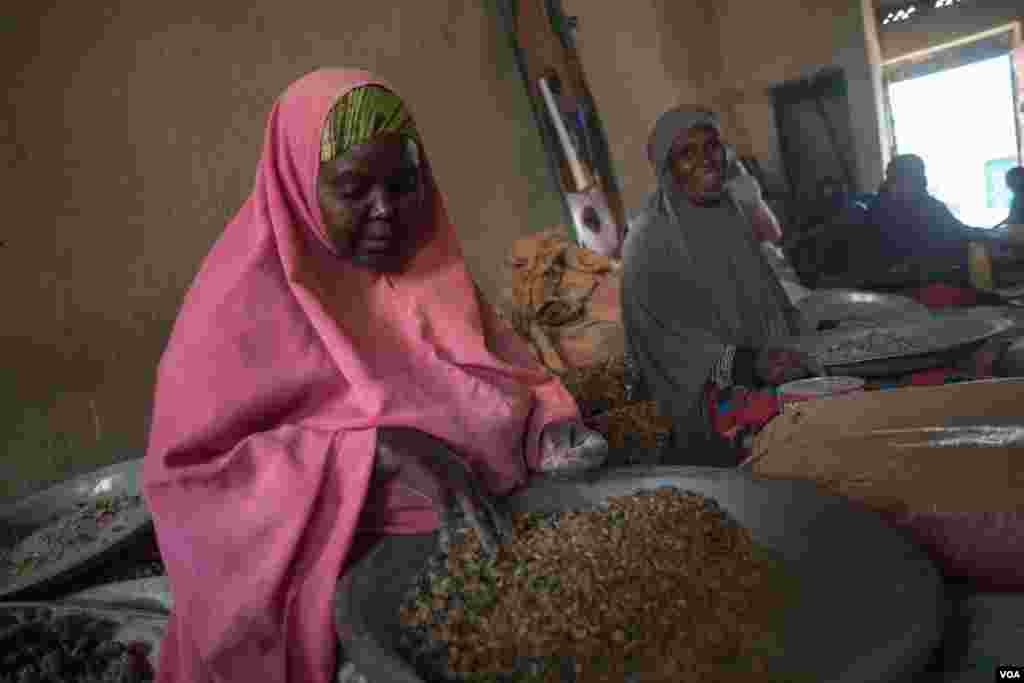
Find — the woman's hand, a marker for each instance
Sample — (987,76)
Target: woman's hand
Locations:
(778,366)
(569,448)
(426,465)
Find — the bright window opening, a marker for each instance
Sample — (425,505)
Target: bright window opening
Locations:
(961,122)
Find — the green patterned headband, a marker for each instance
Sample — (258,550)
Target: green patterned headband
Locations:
(362,114)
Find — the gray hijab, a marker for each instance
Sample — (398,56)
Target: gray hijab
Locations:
(694,281)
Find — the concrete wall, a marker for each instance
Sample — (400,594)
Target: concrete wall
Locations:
(804,37)
(129,136)
(640,62)
(875,60)
(662,53)
(947,26)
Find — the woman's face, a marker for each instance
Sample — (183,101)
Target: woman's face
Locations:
(698,164)
(374,200)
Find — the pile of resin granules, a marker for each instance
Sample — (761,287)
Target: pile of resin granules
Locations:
(609,404)
(659,586)
(37,645)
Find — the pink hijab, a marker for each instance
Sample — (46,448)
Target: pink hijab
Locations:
(284,361)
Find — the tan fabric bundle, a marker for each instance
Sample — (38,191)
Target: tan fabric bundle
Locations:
(946,462)
(565,300)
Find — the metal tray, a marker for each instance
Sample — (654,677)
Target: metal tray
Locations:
(894,367)
(872,602)
(1012,313)
(152,595)
(985,631)
(133,625)
(854,306)
(22,518)
(939,335)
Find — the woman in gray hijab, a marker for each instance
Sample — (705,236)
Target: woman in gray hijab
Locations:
(700,304)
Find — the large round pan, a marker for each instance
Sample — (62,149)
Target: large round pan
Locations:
(21,519)
(841,308)
(871,602)
(929,343)
(152,594)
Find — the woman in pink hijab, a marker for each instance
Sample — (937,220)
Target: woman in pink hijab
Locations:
(334,375)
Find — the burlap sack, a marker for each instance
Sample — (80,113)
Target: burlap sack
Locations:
(565,300)
(945,463)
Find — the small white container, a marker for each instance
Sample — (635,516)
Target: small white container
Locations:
(819,387)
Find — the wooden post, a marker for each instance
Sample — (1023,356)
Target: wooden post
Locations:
(1018,72)
(545,56)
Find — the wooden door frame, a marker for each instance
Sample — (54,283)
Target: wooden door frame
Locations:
(1017,74)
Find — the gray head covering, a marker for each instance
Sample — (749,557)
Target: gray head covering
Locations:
(668,127)
(695,281)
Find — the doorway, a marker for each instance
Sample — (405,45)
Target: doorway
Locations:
(955,108)
(812,117)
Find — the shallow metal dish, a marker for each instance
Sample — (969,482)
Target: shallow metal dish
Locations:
(133,625)
(936,336)
(853,306)
(153,595)
(871,606)
(23,517)
(1014,314)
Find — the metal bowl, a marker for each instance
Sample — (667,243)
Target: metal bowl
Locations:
(934,341)
(872,602)
(152,595)
(23,517)
(845,307)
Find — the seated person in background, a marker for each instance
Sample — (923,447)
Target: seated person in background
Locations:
(334,376)
(821,248)
(908,223)
(701,306)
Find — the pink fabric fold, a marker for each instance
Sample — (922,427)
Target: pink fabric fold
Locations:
(284,361)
